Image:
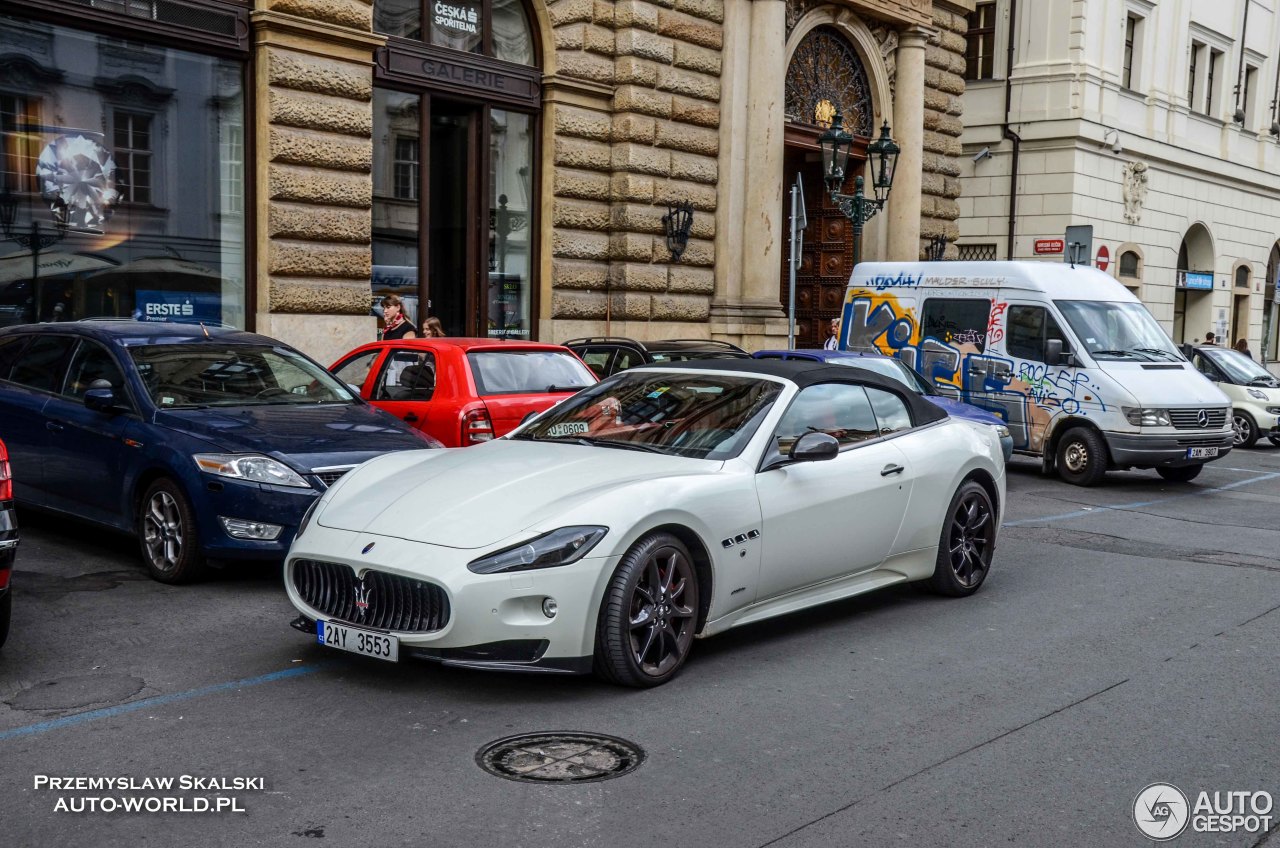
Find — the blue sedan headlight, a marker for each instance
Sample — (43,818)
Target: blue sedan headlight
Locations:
(559,547)
(251,467)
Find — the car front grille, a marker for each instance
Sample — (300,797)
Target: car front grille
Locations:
(394,602)
(1189,419)
(329,476)
(1201,442)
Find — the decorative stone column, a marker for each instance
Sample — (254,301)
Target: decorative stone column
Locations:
(908,132)
(313,160)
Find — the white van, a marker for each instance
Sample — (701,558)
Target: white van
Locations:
(1068,357)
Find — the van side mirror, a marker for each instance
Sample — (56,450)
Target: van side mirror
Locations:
(1055,355)
(100,397)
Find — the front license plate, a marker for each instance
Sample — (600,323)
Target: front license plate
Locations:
(1201,453)
(377,645)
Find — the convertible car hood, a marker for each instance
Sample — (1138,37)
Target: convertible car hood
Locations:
(313,436)
(475,497)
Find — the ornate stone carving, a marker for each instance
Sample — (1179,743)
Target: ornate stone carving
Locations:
(887,38)
(1135,190)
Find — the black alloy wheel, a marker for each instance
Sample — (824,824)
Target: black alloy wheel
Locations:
(967,543)
(649,614)
(1244,433)
(167,534)
(1082,457)
(1180,473)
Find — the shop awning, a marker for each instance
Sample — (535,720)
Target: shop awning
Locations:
(52,263)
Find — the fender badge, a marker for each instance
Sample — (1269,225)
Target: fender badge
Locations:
(368,547)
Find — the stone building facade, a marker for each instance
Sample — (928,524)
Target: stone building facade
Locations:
(507,164)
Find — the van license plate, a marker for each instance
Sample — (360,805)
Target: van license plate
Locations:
(370,644)
(1201,453)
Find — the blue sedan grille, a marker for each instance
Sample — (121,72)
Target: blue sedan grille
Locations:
(390,602)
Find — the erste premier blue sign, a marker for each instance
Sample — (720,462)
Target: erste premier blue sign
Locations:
(177,306)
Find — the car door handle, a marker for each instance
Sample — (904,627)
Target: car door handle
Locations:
(891,469)
(53,427)
(410,417)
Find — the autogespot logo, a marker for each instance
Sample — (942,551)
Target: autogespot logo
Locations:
(1160,811)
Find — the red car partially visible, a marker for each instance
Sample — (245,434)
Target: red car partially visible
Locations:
(8,542)
(463,391)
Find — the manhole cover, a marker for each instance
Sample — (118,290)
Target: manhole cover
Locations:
(560,757)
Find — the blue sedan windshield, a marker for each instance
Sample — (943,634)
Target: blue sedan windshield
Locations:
(184,376)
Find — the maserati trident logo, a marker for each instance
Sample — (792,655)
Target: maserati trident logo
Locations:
(362,599)
(1203,418)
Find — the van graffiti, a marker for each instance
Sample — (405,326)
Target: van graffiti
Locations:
(880,282)
(1025,395)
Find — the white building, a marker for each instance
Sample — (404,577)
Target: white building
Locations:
(1156,123)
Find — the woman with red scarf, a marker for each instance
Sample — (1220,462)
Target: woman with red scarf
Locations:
(398,326)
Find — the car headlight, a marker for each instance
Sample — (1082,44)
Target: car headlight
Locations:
(559,547)
(1257,393)
(250,467)
(1274,410)
(1140,417)
(306,518)
(1002,431)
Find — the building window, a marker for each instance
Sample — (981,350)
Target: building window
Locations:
(981,49)
(232,165)
(1193,83)
(976,252)
(1131,30)
(1129,264)
(405,180)
(133,156)
(497,28)
(17,154)
(1242,277)
(1246,95)
(1214,57)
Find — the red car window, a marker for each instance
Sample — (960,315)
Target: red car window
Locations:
(354,370)
(407,375)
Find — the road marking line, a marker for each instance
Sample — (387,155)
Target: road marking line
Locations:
(1094,510)
(158,701)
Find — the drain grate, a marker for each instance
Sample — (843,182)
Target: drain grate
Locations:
(561,757)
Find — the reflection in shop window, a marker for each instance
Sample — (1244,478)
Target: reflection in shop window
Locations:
(398,17)
(397,125)
(510,225)
(133,156)
(406,168)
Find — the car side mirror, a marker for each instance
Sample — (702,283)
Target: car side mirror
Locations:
(814,447)
(1055,355)
(101,397)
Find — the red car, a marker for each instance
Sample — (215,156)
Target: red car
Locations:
(8,542)
(463,391)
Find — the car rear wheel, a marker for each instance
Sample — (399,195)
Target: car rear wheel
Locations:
(967,543)
(6,615)
(1180,473)
(1082,457)
(167,533)
(1244,433)
(649,614)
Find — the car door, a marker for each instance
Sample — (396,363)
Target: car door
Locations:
(36,372)
(1037,392)
(828,519)
(87,454)
(405,385)
(354,371)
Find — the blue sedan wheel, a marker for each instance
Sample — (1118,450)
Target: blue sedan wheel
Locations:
(167,530)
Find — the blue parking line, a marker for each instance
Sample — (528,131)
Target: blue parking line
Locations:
(158,701)
(1081,513)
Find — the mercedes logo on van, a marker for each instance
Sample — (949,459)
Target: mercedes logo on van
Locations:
(1202,418)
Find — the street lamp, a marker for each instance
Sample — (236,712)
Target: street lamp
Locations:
(37,239)
(857,207)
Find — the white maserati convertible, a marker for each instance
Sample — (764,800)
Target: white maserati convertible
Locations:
(664,503)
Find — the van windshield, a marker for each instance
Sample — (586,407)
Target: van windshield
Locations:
(1118,331)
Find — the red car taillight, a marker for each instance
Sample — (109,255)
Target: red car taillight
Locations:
(476,426)
(6,476)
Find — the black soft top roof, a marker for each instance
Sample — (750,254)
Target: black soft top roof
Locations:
(806,373)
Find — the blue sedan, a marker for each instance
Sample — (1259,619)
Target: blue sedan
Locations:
(889,366)
(205,443)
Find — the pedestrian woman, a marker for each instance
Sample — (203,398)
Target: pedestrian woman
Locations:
(432,328)
(1242,345)
(398,326)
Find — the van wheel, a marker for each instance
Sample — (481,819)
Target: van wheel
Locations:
(1082,457)
(1181,473)
(1243,429)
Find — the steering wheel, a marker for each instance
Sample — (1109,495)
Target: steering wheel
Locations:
(272,391)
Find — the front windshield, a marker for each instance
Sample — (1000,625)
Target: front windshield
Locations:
(679,413)
(189,376)
(1240,369)
(1118,331)
(886,366)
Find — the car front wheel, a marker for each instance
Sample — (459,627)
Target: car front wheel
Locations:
(1245,434)
(167,532)
(649,614)
(967,543)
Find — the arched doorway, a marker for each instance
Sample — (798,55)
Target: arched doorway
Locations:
(1193,298)
(455,132)
(825,74)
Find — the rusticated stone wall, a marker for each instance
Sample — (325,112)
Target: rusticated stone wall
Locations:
(640,131)
(314,86)
(943,107)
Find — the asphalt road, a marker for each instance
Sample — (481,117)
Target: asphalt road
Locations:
(1128,634)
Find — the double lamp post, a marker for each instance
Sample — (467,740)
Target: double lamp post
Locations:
(836,144)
